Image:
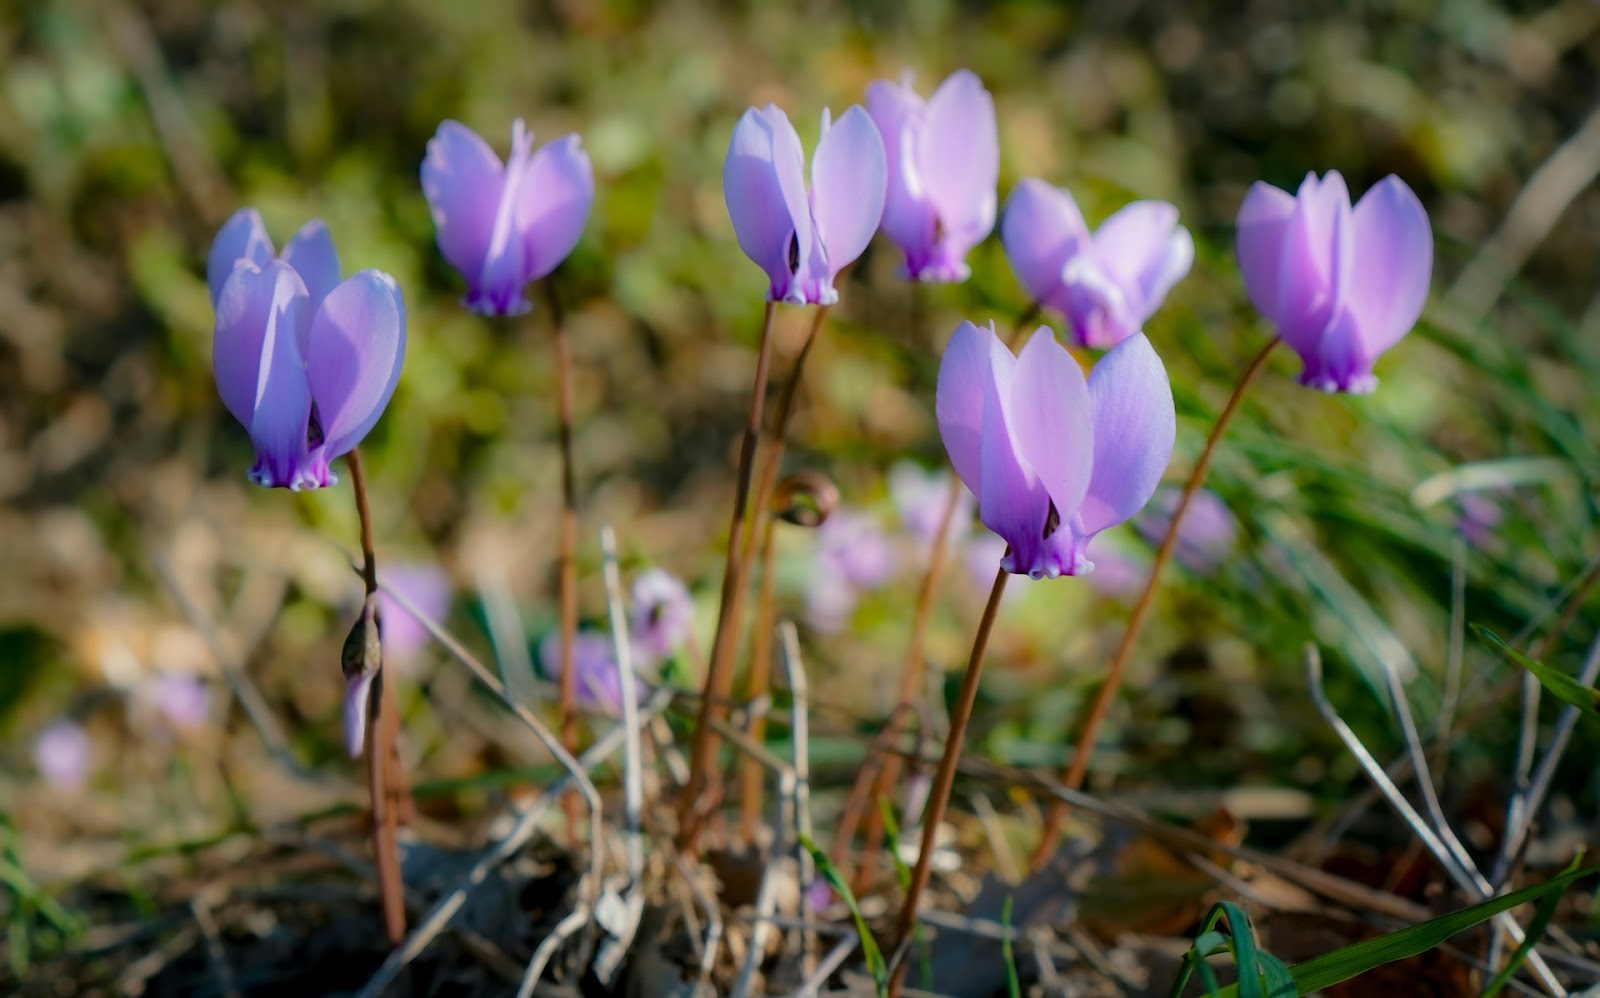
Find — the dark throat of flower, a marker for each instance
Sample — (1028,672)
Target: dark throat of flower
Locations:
(1052,522)
(794,252)
(314,434)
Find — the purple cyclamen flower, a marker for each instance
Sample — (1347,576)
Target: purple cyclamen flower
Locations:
(305,362)
(1207,534)
(503,226)
(599,687)
(428,588)
(244,237)
(920,496)
(183,702)
(1053,459)
(802,238)
(1106,284)
(1341,285)
(943,158)
(61,753)
(663,613)
(852,556)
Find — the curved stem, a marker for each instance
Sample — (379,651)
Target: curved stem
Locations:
(883,776)
(567,563)
(385,778)
(1073,779)
(761,636)
(945,778)
(719,673)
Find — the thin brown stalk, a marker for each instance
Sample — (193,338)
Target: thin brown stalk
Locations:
(883,777)
(385,779)
(719,673)
(1076,770)
(944,779)
(761,636)
(568,553)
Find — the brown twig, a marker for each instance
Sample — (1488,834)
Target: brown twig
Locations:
(945,778)
(1076,770)
(568,554)
(719,673)
(761,636)
(384,780)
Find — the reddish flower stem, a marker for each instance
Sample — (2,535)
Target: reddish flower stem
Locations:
(944,779)
(1076,770)
(719,673)
(761,636)
(567,564)
(385,777)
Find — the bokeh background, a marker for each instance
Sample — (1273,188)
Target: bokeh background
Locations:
(133,548)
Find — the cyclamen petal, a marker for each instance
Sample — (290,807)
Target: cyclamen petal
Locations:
(504,225)
(803,240)
(1053,460)
(310,252)
(1340,285)
(353,357)
(943,164)
(243,237)
(1106,285)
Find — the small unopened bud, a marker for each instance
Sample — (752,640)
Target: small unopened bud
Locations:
(362,663)
(805,499)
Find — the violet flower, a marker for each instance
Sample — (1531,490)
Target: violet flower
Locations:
(852,556)
(183,702)
(802,238)
(61,754)
(598,685)
(1106,284)
(920,497)
(1208,534)
(503,226)
(1053,459)
(426,586)
(663,613)
(943,158)
(305,362)
(1341,285)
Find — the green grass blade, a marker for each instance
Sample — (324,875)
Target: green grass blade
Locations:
(1013,983)
(1244,949)
(1562,686)
(1543,913)
(1358,958)
(869,946)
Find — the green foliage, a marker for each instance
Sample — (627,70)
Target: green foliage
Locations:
(876,965)
(1562,686)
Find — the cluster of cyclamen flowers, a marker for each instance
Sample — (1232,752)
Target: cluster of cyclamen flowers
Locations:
(1055,458)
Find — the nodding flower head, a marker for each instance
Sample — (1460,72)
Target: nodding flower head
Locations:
(1106,284)
(663,613)
(504,225)
(943,158)
(1341,285)
(1053,458)
(803,238)
(304,361)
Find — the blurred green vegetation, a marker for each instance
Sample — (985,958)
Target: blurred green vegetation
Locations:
(129,130)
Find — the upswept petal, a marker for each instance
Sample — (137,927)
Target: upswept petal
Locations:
(242,237)
(1393,263)
(762,221)
(1050,419)
(1041,229)
(1135,425)
(281,405)
(958,400)
(310,252)
(505,266)
(1012,501)
(847,187)
(462,179)
(1307,266)
(1263,226)
(357,700)
(897,111)
(789,164)
(1147,251)
(553,204)
(356,346)
(959,151)
(245,306)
